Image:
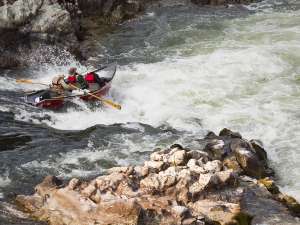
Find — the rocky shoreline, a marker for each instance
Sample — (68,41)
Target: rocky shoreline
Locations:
(26,25)
(225,180)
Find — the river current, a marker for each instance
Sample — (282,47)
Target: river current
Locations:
(183,71)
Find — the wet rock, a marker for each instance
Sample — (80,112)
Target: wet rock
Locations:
(231,162)
(257,202)
(247,159)
(269,184)
(215,149)
(219,212)
(197,154)
(290,202)
(221,2)
(229,134)
(259,150)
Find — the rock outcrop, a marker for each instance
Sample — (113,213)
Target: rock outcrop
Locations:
(72,25)
(225,182)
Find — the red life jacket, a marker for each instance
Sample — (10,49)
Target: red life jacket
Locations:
(90,78)
(72,79)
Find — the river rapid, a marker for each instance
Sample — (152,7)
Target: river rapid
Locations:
(183,71)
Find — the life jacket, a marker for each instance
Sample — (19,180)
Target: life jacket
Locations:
(90,78)
(72,79)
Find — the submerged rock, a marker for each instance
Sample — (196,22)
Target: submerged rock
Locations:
(176,186)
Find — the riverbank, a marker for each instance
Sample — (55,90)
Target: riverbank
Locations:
(67,25)
(226,180)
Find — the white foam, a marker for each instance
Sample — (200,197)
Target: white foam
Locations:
(4,180)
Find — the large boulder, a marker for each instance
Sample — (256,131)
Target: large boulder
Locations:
(247,159)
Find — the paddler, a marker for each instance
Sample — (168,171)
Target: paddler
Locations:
(75,79)
(61,85)
(94,82)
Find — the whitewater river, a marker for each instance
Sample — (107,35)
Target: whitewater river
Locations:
(183,71)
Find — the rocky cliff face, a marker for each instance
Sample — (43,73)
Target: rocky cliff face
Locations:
(26,24)
(225,181)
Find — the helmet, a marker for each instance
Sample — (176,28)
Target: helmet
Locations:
(72,70)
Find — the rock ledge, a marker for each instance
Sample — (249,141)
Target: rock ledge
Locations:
(226,182)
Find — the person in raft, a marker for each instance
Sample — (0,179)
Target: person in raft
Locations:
(90,81)
(73,81)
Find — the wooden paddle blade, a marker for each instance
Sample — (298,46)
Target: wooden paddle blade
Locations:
(117,106)
(24,81)
(30,82)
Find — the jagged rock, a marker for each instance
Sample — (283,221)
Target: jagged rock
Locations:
(155,166)
(205,182)
(213,166)
(220,212)
(229,134)
(169,194)
(197,154)
(260,151)
(49,183)
(179,210)
(221,2)
(141,171)
(215,149)
(156,182)
(73,183)
(178,158)
(160,155)
(258,203)
(231,162)
(269,184)
(111,181)
(194,167)
(226,177)
(127,170)
(247,159)
(290,202)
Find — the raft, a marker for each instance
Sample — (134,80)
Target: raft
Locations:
(49,99)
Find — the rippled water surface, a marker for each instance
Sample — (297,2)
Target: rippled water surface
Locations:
(183,70)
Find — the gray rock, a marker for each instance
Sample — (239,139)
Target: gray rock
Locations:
(247,159)
(215,148)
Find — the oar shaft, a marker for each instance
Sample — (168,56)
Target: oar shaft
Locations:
(30,82)
(108,102)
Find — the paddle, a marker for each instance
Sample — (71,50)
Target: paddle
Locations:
(108,102)
(30,82)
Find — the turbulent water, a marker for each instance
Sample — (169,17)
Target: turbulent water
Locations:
(183,70)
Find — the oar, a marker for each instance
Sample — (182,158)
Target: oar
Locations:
(108,102)
(30,82)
